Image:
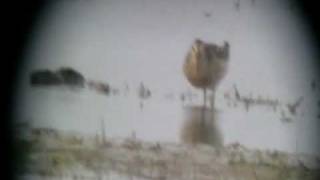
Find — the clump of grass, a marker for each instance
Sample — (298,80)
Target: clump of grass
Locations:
(132,144)
(60,160)
(155,147)
(237,159)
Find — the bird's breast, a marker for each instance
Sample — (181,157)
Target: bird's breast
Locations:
(197,74)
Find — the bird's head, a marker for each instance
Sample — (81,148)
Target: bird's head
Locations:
(196,46)
(223,52)
(198,49)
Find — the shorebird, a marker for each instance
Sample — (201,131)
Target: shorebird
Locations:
(205,65)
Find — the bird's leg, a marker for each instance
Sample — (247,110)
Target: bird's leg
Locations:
(212,101)
(204,104)
(204,97)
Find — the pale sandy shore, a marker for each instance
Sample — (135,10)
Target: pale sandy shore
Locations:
(75,157)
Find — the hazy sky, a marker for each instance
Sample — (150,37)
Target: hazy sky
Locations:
(147,40)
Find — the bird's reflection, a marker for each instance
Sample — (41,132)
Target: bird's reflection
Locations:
(199,127)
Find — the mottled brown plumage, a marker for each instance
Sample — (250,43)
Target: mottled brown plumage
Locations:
(206,64)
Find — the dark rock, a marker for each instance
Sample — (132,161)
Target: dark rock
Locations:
(64,76)
(71,77)
(44,77)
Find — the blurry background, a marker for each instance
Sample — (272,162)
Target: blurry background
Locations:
(129,42)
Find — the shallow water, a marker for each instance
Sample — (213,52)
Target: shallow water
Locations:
(160,119)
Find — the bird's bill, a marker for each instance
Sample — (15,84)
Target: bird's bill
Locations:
(196,45)
(195,48)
